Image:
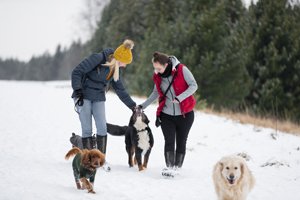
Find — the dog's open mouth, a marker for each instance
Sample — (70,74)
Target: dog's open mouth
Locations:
(231,181)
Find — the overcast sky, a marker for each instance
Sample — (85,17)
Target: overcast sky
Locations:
(31,27)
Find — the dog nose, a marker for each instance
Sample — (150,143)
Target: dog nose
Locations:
(96,164)
(231,176)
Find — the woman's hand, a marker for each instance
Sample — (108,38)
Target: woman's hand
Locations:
(175,100)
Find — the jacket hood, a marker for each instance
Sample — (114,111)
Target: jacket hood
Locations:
(174,61)
(107,52)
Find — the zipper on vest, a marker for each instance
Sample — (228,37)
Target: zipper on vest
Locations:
(172,97)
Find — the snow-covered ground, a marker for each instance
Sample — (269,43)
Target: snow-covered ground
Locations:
(37,119)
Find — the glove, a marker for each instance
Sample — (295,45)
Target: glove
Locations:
(157,122)
(79,96)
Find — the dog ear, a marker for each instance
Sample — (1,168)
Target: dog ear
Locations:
(243,168)
(221,166)
(102,161)
(131,122)
(102,158)
(217,171)
(86,158)
(147,121)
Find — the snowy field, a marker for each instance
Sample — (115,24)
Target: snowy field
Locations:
(37,119)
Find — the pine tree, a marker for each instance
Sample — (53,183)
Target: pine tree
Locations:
(275,58)
(222,74)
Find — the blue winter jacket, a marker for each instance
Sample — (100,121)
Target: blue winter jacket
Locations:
(90,76)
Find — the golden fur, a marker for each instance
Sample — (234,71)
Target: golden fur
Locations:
(90,160)
(232,178)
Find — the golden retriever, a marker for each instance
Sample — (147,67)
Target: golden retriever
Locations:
(85,164)
(232,178)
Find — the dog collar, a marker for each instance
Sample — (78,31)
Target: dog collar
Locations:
(141,130)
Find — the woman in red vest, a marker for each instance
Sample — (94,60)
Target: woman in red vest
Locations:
(174,87)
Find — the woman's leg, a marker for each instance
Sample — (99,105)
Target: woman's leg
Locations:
(168,127)
(85,117)
(183,126)
(98,111)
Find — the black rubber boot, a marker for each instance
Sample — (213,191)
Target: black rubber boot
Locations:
(87,143)
(101,143)
(94,142)
(168,172)
(179,160)
(169,158)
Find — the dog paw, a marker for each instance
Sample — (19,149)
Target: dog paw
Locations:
(92,191)
(78,185)
(141,168)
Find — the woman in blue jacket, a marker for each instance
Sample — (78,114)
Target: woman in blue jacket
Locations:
(89,81)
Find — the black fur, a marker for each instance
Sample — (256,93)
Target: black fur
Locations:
(76,141)
(132,138)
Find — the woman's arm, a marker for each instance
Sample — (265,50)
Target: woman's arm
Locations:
(84,67)
(190,80)
(153,96)
(122,93)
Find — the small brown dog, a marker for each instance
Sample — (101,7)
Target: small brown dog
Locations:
(85,164)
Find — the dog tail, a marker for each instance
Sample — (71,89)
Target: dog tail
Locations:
(72,152)
(116,130)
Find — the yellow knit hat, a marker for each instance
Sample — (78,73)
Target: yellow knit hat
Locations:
(123,52)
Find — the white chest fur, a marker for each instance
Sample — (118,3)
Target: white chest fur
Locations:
(143,136)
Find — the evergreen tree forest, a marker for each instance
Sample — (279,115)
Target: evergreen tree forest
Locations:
(243,58)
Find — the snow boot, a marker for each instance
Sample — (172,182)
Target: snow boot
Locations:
(169,159)
(168,172)
(101,145)
(179,160)
(87,143)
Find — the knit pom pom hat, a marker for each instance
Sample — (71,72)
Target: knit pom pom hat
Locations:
(123,52)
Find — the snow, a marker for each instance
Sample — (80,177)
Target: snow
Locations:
(37,119)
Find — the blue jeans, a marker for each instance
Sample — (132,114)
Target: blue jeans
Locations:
(87,111)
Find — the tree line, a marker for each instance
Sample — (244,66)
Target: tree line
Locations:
(243,59)
(44,67)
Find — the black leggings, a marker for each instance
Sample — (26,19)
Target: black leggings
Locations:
(176,128)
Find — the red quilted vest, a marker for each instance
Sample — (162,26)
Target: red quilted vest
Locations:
(179,85)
